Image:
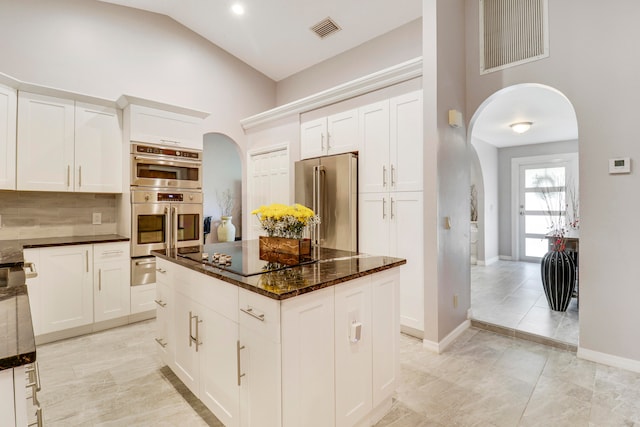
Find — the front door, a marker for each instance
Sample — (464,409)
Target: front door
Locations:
(542,205)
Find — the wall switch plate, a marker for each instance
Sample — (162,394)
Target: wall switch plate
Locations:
(97,218)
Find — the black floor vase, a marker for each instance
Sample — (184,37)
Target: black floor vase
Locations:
(558,279)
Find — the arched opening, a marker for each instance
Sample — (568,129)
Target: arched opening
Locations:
(506,288)
(221,183)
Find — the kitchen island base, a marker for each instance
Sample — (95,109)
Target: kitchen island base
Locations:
(327,357)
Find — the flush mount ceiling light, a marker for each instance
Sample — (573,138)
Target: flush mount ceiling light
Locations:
(520,127)
(237,9)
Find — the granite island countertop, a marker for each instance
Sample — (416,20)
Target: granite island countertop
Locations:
(328,268)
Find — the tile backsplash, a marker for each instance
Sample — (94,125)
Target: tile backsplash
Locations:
(33,214)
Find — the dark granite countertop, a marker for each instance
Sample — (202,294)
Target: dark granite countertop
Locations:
(11,250)
(331,267)
(17,345)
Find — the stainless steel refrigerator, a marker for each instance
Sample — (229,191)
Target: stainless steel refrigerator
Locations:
(329,186)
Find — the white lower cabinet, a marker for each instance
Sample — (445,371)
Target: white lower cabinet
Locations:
(77,285)
(111,281)
(390,223)
(306,361)
(353,334)
(307,357)
(66,279)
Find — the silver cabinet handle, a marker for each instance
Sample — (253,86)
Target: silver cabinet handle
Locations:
(114,252)
(384,207)
(393,172)
(238,348)
(159,270)
(160,303)
(35,379)
(38,421)
(194,340)
(392,216)
(328,141)
(250,312)
(68,175)
(86,255)
(30,270)
(79,176)
(322,142)
(99,279)
(161,342)
(384,176)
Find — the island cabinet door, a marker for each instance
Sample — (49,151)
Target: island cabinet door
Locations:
(187,360)
(353,351)
(308,385)
(260,361)
(386,335)
(218,349)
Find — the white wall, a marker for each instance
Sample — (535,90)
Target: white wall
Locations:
(106,50)
(488,201)
(591,62)
(446,171)
(222,170)
(389,49)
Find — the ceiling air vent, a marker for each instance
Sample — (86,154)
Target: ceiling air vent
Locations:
(512,32)
(325,28)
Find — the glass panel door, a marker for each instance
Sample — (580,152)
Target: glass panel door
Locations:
(542,206)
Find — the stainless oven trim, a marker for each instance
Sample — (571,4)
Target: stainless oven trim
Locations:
(168,161)
(164,161)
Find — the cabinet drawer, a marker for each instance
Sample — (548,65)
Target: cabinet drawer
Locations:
(116,251)
(260,314)
(164,270)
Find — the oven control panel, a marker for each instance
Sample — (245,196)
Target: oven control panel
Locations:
(149,197)
(168,152)
(170,197)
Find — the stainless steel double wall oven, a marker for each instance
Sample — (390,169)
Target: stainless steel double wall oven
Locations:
(166,205)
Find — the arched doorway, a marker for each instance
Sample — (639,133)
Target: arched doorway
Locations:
(221,182)
(504,290)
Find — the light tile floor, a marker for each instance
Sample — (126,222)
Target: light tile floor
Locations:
(115,378)
(510,294)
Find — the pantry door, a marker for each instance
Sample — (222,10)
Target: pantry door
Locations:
(268,182)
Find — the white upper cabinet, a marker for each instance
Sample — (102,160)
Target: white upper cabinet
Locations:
(329,135)
(390,137)
(162,127)
(67,146)
(8,111)
(45,143)
(405,142)
(98,149)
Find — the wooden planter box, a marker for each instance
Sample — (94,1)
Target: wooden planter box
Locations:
(283,250)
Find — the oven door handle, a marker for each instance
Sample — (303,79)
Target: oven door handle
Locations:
(174,223)
(169,162)
(167,230)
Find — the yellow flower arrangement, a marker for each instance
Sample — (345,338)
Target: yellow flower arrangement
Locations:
(285,221)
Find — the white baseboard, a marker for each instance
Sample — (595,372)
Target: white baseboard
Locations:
(439,347)
(490,261)
(609,359)
(505,257)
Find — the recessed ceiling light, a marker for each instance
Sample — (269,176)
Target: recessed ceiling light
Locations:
(521,127)
(238,9)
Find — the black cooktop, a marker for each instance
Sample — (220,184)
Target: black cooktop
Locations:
(242,257)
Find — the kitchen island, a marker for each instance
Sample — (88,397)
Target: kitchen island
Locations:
(314,344)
